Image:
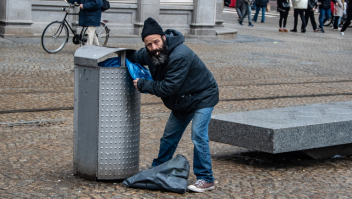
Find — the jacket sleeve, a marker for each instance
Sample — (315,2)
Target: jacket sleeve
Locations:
(340,3)
(93,5)
(176,74)
(138,56)
(73,1)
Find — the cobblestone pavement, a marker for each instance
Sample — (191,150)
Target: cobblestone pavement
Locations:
(261,69)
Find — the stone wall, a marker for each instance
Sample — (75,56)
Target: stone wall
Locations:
(126,17)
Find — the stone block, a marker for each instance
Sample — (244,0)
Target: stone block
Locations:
(285,129)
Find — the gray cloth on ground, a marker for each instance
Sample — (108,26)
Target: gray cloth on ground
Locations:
(169,176)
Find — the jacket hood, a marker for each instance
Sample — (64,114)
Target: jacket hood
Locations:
(173,38)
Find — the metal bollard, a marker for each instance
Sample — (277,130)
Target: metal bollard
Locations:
(106,117)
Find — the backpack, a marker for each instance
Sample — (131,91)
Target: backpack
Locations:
(106,5)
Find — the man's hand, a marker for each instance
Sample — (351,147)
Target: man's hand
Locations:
(81,6)
(135,83)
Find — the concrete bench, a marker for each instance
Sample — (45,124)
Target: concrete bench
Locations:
(320,130)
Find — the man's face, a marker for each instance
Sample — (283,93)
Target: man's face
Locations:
(157,48)
(154,43)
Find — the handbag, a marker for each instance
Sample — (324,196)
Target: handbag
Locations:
(268,8)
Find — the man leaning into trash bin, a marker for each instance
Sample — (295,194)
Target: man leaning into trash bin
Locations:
(186,87)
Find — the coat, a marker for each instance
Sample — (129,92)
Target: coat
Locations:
(300,4)
(261,3)
(239,3)
(325,4)
(312,4)
(280,7)
(339,9)
(184,83)
(90,15)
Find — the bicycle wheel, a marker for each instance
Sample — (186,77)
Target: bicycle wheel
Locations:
(102,33)
(329,21)
(54,37)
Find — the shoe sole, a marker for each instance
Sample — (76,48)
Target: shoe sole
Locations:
(195,189)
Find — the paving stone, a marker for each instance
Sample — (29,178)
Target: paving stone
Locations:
(262,69)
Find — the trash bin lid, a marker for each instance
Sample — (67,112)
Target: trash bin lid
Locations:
(88,55)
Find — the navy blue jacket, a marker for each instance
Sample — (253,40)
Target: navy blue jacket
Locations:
(184,83)
(325,4)
(91,13)
(261,3)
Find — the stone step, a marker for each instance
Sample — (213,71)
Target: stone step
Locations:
(226,33)
(280,130)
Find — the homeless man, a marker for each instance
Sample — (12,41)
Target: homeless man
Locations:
(186,87)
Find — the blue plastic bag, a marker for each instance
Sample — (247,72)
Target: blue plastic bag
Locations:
(136,70)
(111,62)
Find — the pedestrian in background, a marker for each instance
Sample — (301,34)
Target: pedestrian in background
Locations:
(240,9)
(325,12)
(349,18)
(247,12)
(260,5)
(309,14)
(283,7)
(299,7)
(253,7)
(338,10)
(89,16)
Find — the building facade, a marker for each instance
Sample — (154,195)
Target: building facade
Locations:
(193,18)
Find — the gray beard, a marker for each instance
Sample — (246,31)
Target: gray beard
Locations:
(160,60)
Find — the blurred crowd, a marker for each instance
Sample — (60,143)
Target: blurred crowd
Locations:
(337,13)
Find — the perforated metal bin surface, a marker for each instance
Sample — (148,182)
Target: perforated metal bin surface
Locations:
(106,117)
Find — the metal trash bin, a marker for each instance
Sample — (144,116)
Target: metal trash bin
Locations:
(106,117)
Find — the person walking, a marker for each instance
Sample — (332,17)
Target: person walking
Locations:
(187,88)
(338,10)
(89,16)
(247,12)
(299,7)
(325,11)
(260,5)
(283,6)
(240,9)
(309,14)
(349,18)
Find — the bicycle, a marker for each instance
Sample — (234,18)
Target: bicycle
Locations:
(56,34)
(329,21)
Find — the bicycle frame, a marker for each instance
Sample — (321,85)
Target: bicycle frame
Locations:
(66,22)
(53,37)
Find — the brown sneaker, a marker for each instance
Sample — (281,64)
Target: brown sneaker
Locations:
(201,186)
(281,30)
(285,30)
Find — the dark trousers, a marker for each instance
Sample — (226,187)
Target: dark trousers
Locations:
(336,22)
(240,10)
(283,17)
(309,14)
(348,20)
(299,12)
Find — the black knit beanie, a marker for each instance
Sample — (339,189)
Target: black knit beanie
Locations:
(151,27)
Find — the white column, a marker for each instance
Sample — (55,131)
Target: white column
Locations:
(15,18)
(146,9)
(219,10)
(203,19)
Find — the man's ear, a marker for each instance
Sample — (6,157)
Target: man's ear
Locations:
(164,37)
